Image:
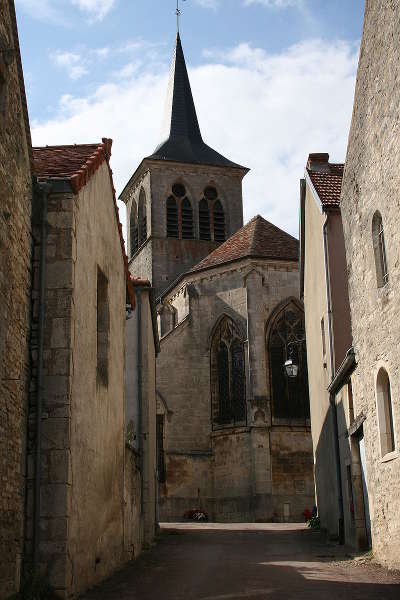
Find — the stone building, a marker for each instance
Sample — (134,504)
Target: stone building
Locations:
(233,433)
(15,282)
(323,287)
(85,508)
(369,204)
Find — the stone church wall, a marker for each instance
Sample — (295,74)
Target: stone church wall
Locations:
(371,183)
(15,281)
(235,473)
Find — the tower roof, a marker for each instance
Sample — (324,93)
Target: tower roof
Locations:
(258,239)
(182,141)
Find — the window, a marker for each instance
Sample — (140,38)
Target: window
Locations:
(142,217)
(219,222)
(290,398)
(385,412)
(103,328)
(204,220)
(350,401)
(228,389)
(323,338)
(378,238)
(133,229)
(172,218)
(3,96)
(187,220)
(160,449)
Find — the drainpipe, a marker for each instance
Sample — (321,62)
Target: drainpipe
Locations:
(44,190)
(332,398)
(140,394)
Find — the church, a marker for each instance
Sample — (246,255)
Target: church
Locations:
(233,430)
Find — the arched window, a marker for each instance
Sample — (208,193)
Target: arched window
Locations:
(219,222)
(378,238)
(385,412)
(172,218)
(133,229)
(228,389)
(204,220)
(142,218)
(290,398)
(187,220)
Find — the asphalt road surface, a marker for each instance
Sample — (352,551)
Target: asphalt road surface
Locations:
(251,561)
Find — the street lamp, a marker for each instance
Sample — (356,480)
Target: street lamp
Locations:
(291,368)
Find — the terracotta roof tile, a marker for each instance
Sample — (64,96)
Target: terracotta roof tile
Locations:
(258,239)
(328,184)
(77,163)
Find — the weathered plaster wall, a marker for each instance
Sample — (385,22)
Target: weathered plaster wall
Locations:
(371,182)
(228,472)
(319,376)
(15,280)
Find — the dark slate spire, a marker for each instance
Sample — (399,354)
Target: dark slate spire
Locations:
(181,132)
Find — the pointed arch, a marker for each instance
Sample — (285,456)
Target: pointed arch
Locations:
(219,222)
(142,217)
(133,229)
(204,220)
(285,336)
(228,387)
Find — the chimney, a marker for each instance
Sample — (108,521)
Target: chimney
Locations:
(318,161)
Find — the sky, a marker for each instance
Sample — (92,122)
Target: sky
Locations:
(273,80)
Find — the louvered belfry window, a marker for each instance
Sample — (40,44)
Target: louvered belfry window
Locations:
(172,218)
(133,230)
(228,389)
(219,222)
(187,220)
(142,218)
(204,220)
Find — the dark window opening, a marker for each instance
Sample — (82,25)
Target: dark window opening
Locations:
(187,220)
(210,193)
(204,220)
(350,401)
(3,96)
(160,449)
(378,237)
(228,376)
(172,218)
(103,328)
(178,190)
(219,222)
(134,237)
(142,218)
(290,399)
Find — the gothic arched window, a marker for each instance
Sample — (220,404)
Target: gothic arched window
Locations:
(228,388)
(219,222)
(385,412)
(204,220)
(172,218)
(142,217)
(187,220)
(378,238)
(133,229)
(290,398)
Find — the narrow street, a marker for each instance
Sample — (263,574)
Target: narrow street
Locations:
(254,561)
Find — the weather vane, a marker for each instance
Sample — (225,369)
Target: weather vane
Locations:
(178,14)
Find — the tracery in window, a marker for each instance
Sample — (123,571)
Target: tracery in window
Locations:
(142,217)
(290,399)
(179,214)
(133,229)
(378,238)
(228,389)
(204,220)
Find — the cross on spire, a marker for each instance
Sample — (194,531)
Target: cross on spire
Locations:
(178,14)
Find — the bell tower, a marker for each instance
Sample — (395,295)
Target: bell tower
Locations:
(184,199)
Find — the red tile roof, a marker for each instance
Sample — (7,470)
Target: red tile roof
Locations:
(77,164)
(328,184)
(257,239)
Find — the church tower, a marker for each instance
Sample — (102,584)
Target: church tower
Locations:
(183,200)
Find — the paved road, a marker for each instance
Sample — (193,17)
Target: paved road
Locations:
(257,562)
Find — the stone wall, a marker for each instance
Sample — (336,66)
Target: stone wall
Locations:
(371,183)
(15,281)
(234,473)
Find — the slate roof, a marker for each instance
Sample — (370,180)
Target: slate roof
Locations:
(182,137)
(328,184)
(258,239)
(77,164)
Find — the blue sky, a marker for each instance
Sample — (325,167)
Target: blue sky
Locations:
(273,80)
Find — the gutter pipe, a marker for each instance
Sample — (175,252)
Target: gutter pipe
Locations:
(44,190)
(332,399)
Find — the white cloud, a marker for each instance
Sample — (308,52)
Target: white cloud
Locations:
(97,9)
(214,4)
(45,10)
(276,3)
(72,63)
(265,111)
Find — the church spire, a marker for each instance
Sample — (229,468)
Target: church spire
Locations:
(182,141)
